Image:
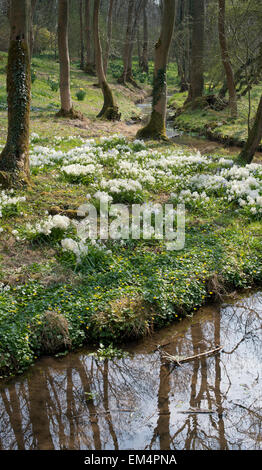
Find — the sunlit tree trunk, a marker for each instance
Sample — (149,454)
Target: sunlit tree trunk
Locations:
(254,138)
(196,86)
(109,34)
(156,128)
(14,159)
(110,109)
(226,60)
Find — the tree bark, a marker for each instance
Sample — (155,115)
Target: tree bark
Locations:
(110,109)
(254,139)
(33,7)
(14,159)
(109,34)
(90,63)
(131,5)
(226,59)
(156,127)
(129,72)
(65,94)
(196,86)
(81,35)
(144,61)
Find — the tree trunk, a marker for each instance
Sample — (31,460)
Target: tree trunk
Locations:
(109,34)
(144,61)
(156,128)
(131,5)
(254,139)
(226,59)
(14,159)
(196,86)
(129,72)
(33,7)
(110,109)
(90,63)
(81,35)
(65,94)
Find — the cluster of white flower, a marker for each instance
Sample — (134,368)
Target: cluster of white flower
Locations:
(7,200)
(118,185)
(46,226)
(81,248)
(81,170)
(187,196)
(102,196)
(136,169)
(241,185)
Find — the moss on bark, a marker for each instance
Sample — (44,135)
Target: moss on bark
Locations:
(110,110)
(72,114)
(155,129)
(14,159)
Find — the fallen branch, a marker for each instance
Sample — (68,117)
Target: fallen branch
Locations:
(196,411)
(181,360)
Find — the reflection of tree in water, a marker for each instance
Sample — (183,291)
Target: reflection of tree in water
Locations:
(91,404)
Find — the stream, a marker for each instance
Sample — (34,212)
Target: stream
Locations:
(195,142)
(142,402)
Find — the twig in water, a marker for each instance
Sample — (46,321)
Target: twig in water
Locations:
(181,360)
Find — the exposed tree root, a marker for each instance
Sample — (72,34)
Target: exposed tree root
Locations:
(72,114)
(109,113)
(155,129)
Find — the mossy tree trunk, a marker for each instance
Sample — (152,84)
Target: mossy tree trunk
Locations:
(226,59)
(156,128)
(14,159)
(110,109)
(196,85)
(254,139)
(109,34)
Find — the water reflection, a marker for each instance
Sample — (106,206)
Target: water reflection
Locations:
(140,402)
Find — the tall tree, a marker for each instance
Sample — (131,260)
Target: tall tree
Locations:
(226,59)
(64,61)
(196,86)
(14,159)
(81,34)
(254,138)
(130,13)
(129,72)
(156,128)
(144,59)
(90,63)
(110,109)
(109,34)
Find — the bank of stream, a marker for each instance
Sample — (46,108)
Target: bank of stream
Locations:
(142,402)
(193,140)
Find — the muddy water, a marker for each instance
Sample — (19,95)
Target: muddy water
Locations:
(140,402)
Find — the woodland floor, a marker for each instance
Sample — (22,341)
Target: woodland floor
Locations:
(118,290)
